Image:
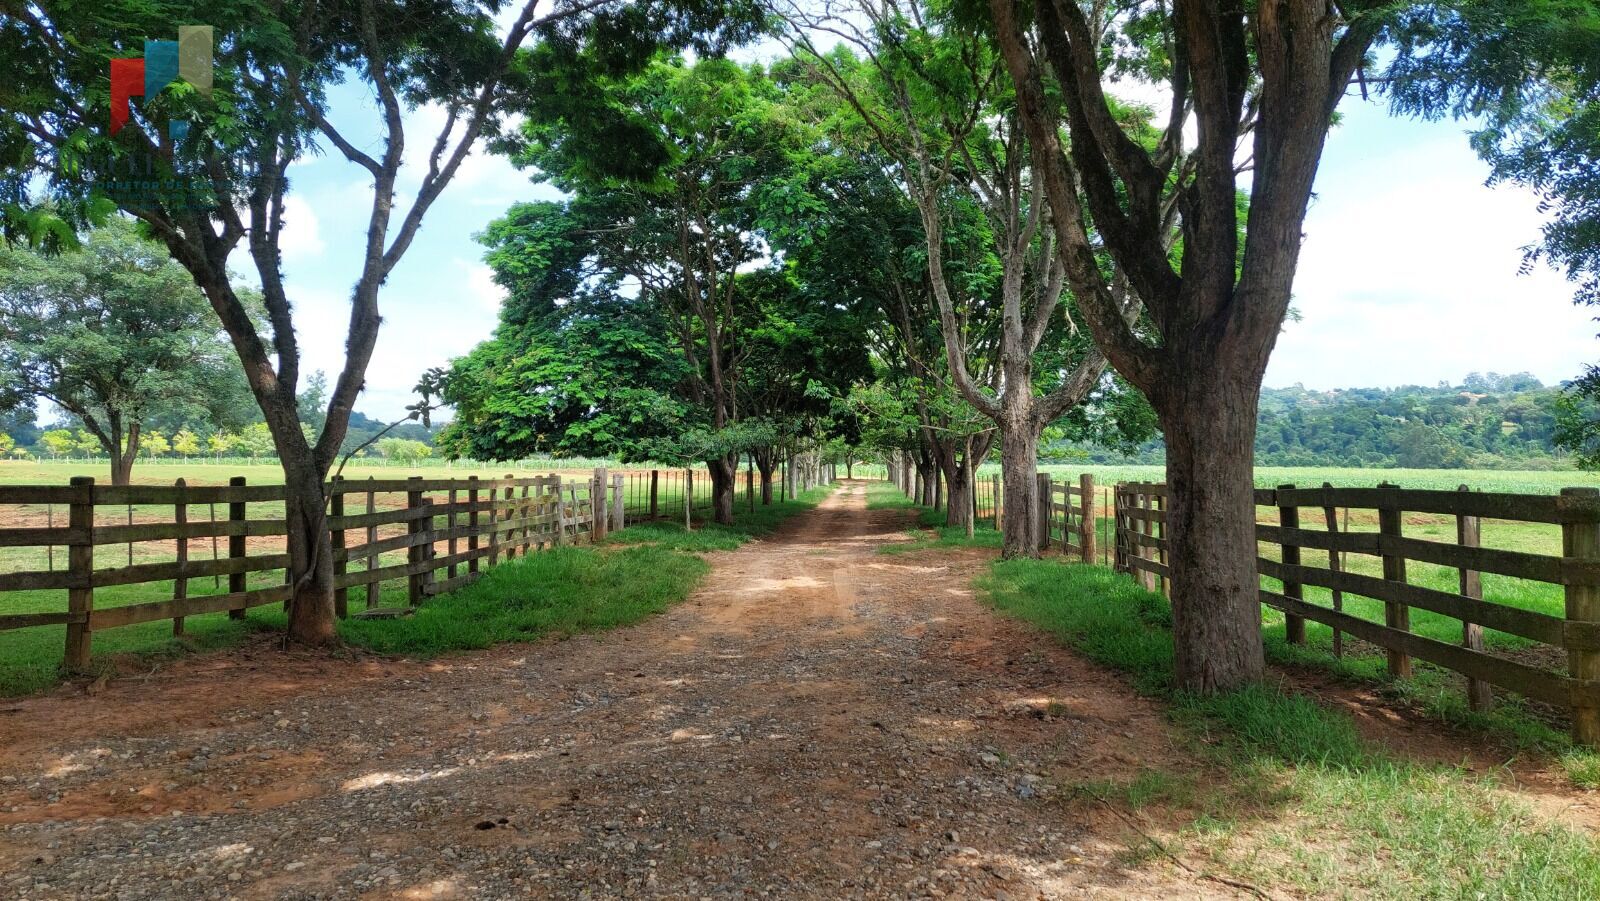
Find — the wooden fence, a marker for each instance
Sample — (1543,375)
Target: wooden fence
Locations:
(453,527)
(1296,556)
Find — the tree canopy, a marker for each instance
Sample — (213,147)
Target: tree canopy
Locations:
(114,334)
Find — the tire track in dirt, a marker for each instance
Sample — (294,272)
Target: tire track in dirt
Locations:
(818,720)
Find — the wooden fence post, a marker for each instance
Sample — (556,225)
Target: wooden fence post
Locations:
(1046,507)
(655,493)
(236,518)
(494,523)
(597,503)
(472,523)
(1294,627)
(1116,528)
(525,512)
(1395,615)
(414,548)
(514,514)
(180,518)
(1086,519)
(561,510)
(1331,515)
(373,561)
(341,561)
(452,543)
(688,500)
(1581,541)
(1147,528)
(80,564)
(1480,695)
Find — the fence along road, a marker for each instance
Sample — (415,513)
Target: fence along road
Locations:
(476,523)
(1139,515)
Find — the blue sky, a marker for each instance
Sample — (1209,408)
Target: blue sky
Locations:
(1409,273)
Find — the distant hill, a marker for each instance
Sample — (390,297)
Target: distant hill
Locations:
(1488,421)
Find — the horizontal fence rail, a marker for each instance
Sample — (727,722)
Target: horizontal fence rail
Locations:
(92,557)
(1294,555)
(432,534)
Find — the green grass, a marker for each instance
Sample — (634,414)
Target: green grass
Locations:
(1303,800)
(635,572)
(557,592)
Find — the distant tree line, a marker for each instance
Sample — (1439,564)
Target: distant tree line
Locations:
(1488,421)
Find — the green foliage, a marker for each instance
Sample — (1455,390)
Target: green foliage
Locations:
(1487,421)
(1578,419)
(402,450)
(629,329)
(114,334)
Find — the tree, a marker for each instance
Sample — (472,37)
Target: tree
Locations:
(112,334)
(402,450)
(186,443)
(154,444)
(1577,426)
(7,443)
(88,443)
(934,97)
(272,73)
(58,443)
(1270,75)
(796,355)
(859,243)
(256,440)
(21,423)
(220,442)
(679,229)
(574,368)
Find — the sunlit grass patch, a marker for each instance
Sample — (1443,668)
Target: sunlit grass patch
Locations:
(1301,800)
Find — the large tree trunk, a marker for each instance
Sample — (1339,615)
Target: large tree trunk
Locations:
(724,474)
(927,472)
(958,476)
(1019,470)
(311,609)
(1210,427)
(122,464)
(766,462)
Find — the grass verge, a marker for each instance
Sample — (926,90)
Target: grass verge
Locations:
(1302,800)
(561,591)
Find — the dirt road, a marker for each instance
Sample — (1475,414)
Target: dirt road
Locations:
(819,720)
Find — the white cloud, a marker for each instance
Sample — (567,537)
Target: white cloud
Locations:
(301,235)
(1412,277)
(481,286)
